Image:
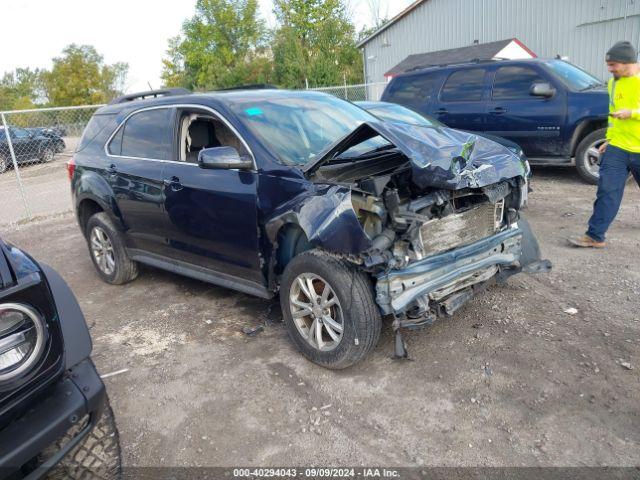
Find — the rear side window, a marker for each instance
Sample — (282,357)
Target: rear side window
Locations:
(93,128)
(464,86)
(414,90)
(145,134)
(513,83)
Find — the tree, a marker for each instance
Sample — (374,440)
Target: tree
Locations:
(80,77)
(315,42)
(222,45)
(20,89)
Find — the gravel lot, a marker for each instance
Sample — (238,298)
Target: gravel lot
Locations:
(511,380)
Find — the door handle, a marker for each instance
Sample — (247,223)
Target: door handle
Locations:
(499,110)
(174,183)
(442,111)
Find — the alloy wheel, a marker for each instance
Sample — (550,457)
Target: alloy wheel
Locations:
(316,311)
(102,251)
(592,157)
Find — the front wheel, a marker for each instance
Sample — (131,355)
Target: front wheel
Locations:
(96,457)
(588,156)
(329,309)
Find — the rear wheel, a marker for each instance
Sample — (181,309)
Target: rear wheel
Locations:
(107,250)
(329,309)
(588,156)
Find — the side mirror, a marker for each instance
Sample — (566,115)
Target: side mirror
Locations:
(542,90)
(223,158)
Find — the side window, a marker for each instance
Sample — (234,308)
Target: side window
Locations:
(115,146)
(513,83)
(146,135)
(464,86)
(19,133)
(413,90)
(202,130)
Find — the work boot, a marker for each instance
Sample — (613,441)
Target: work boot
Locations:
(585,241)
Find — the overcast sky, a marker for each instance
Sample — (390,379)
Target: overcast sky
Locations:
(132,31)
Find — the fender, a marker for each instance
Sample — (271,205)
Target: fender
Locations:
(94,187)
(326,217)
(77,342)
(581,127)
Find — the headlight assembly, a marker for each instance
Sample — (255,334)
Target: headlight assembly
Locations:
(23,337)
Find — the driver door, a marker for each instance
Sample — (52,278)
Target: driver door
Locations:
(211,215)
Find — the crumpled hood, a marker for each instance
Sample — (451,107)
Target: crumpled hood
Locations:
(440,157)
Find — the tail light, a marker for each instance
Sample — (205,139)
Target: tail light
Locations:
(71,168)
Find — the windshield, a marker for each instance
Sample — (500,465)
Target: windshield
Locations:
(398,113)
(297,128)
(572,76)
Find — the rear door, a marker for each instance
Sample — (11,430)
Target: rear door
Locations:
(533,122)
(415,91)
(136,157)
(461,103)
(24,146)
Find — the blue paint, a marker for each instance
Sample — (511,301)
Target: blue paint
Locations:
(253,111)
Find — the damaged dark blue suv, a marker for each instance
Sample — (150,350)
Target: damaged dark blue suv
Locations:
(349,218)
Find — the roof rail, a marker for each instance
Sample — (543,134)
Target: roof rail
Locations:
(165,92)
(251,86)
(464,62)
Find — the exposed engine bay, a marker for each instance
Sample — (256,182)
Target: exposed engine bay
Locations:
(430,247)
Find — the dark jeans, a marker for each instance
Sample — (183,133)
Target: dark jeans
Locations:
(614,171)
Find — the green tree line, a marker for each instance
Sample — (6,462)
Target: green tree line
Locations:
(78,77)
(226,43)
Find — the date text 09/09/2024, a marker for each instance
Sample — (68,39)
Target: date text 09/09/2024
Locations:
(325,472)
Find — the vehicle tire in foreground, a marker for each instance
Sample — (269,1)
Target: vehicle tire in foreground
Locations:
(329,309)
(98,456)
(587,156)
(107,251)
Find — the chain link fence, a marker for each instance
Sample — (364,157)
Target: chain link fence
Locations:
(355,93)
(35,146)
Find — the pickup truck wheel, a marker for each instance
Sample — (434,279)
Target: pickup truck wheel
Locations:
(107,250)
(46,155)
(588,157)
(329,309)
(97,456)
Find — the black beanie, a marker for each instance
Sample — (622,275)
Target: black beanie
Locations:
(622,52)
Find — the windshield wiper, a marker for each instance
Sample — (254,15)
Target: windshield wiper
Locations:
(593,85)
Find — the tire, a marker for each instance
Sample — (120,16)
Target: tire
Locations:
(47,154)
(586,164)
(353,309)
(107,251)
(98,456)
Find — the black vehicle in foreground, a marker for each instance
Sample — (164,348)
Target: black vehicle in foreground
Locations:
(53,411)
(28,146)
(347,217)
